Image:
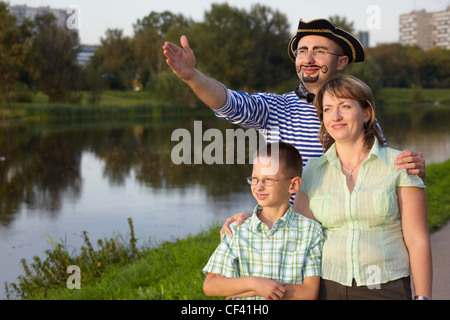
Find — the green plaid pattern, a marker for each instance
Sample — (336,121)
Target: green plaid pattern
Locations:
(287,253)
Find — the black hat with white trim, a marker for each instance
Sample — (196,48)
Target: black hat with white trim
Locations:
(353,49)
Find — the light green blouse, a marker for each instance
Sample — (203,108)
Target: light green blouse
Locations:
(363,231)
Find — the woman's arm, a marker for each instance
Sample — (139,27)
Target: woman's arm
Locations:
(301,205)
(239,218)
(414,215)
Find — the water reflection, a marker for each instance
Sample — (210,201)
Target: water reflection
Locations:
(61,179)
(38,169)
(42,162)
(424,130)
(58,179)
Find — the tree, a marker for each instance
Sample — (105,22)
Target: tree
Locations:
(269,63)
(92,80)
(14,49)
(341,22)
(370,73)
(54,52)
(114,59)
(395,64)
(163,23)
(223,45)
(434,68)
(149,35)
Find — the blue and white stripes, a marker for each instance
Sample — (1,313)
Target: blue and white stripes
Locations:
(278,117)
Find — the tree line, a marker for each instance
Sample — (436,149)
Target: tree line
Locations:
(245,49)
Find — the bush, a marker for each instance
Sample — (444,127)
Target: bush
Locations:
(45,275)
(22,93)
(166,86)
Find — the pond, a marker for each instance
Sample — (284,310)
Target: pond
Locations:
(60,179)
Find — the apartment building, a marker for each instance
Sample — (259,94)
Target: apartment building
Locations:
(441,29)
(425,29)
(22,12)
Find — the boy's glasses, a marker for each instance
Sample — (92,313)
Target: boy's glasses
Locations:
(267,182)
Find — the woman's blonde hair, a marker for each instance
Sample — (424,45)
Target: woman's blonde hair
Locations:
(348,87)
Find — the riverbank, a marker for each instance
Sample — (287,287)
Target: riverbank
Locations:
(171,270)
(116,104)
(112,105)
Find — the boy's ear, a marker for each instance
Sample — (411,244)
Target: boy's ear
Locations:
(296,182)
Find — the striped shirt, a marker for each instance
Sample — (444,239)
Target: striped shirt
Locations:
(283,117)
(363,229)
(288,252)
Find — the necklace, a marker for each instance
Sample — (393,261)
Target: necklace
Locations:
(351,170)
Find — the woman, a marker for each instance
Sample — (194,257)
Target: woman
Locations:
(374,216)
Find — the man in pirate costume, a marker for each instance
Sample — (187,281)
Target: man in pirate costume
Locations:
(319,50)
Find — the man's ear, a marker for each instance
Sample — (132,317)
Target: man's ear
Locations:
(342,62)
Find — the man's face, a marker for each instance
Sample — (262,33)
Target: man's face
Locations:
(315,70)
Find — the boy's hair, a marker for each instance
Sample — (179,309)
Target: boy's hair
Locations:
(287,154)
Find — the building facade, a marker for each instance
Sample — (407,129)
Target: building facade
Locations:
(22,12)
(441,29)
(425,29)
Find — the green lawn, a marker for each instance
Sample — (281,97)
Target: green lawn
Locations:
(405,96)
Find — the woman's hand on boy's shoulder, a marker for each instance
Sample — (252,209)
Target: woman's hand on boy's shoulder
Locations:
(412,161)
(238,218)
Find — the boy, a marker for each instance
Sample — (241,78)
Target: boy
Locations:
(276,254)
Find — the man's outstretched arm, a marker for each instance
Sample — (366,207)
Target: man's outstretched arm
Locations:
(182,61)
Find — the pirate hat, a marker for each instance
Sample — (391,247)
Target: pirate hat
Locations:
(353,49)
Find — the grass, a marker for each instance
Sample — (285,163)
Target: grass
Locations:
(143,104)
(113,104)
(438,186)
(170,271)
(408,96)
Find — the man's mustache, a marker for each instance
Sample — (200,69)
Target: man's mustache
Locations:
(323,68)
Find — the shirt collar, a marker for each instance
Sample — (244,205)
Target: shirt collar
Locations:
(331,155)
(286,219)
(302,93)
(379,151)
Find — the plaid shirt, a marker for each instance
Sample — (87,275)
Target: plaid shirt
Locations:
(287,253)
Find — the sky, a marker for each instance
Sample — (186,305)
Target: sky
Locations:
(379,17)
